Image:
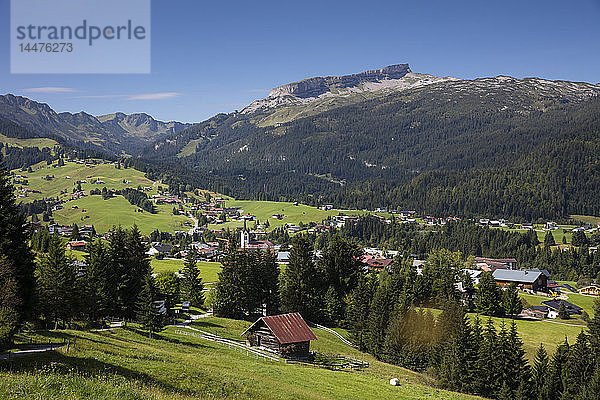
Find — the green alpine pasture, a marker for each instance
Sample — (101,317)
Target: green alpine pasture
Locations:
(104,214)
(208,270)
(65,178)
(293,214)
(124,364)
(40,143)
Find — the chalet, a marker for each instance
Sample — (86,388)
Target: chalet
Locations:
(591,290)
(158,248)
(554,307)
(531,280)
(376,262)
(491,264)
(76,245)
(285,334)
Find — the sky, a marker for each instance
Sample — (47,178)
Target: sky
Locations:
(210,57)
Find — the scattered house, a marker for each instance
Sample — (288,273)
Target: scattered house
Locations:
(475,275)
(591,290)
(491,264)
(328,207)
(286,334)
(283,257)
(550,226)
(76,245)
(158,248)
(527,226)
(375,262)
(539,312)
(531,280)
(554,306)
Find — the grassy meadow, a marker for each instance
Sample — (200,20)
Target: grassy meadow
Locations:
(208,270)
(264,210)
(123,364)
(40,143)
(105,214)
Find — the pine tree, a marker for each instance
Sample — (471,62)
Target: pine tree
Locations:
(358,310)
(191,282)
(511,301)
(549,240)
(14,248)
(379,315)
(578,369)
(488,364)
(301,281)
(56,283)
(594,333)
(95,283)
(10,302)
(147,310)
(489,296)
(555,384)
(541,374)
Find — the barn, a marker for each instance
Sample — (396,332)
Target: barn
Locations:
(286,334)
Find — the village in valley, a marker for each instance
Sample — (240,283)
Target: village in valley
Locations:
(209,225)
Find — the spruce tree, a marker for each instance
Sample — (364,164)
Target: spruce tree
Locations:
(147,310)
(489,296)
(578,367)
(191,282)
(540,374)
(358,310)
(301,281)
(95,281)
(549,240)
(56,283)
(379,315)
(511,301)
(10,303)
(555,384)
(14,248)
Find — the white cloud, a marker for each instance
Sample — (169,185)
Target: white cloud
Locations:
(50,89)
(154,96)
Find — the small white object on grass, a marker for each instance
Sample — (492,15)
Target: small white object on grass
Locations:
(394,382)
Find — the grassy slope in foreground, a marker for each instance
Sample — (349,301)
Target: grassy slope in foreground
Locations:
(121,364)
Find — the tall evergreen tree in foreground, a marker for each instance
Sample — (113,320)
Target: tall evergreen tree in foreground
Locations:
(95,281)
(191,283)
(540,374)
(300,282)
(147,310)
(56,283)
(17,260)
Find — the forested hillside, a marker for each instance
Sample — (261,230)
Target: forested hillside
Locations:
(498,146)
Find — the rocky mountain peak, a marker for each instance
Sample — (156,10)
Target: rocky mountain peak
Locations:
(314,87)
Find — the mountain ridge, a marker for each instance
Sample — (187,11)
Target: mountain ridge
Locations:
(117,133)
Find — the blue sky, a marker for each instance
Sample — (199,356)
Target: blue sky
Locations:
(210,57)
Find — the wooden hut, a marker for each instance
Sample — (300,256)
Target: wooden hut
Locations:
(285,334)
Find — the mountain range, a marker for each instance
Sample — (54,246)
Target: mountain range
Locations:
(116,133)
(523,148)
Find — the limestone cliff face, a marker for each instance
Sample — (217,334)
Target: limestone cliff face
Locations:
(315,87)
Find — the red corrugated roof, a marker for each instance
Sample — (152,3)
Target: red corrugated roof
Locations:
(288,328)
